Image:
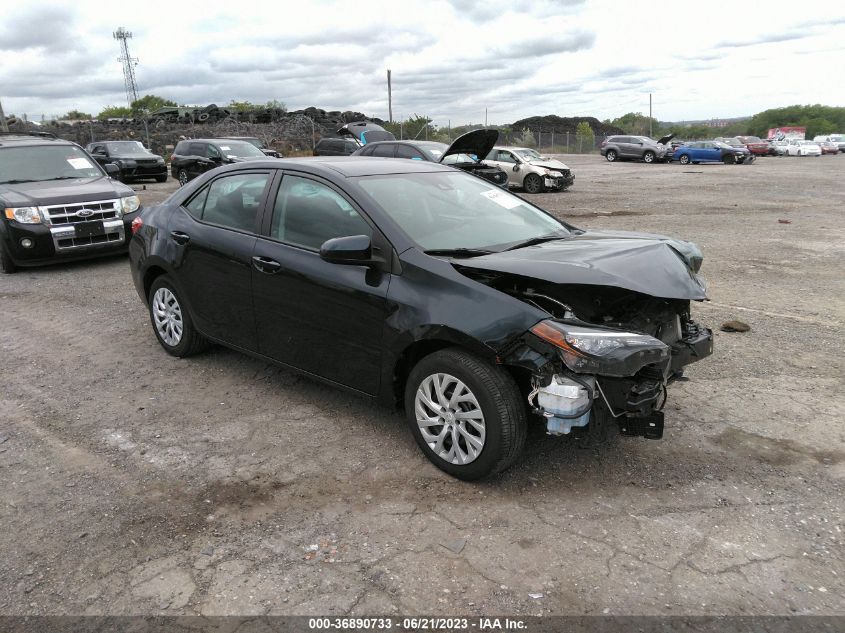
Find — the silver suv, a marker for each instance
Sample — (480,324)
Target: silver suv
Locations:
(642,148)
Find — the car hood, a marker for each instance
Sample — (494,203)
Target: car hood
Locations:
(548,163)
(366,132)
(477,142)
(63,191)
(665,139)
(654,265)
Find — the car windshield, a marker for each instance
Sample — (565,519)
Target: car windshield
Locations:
(239,149)
(451,159)
(432,149)
(36,163)
(452,210)
(127,148)
(734,142)
(528,154)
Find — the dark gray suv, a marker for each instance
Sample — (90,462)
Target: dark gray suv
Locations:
(642,148)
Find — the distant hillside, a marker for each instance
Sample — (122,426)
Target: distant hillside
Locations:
(562,125)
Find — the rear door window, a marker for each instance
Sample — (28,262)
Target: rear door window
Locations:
(196,149)
(231,201)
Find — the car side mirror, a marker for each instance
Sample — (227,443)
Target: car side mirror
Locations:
(112,169)
(516,167)
(351,249)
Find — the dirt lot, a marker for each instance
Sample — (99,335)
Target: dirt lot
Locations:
(137,483)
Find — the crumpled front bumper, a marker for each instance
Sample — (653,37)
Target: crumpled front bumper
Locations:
(558,182)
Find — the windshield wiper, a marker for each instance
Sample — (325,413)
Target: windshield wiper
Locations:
(537,240)
(458,252)
(18,181)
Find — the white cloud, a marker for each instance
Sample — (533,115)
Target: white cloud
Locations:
(450,59)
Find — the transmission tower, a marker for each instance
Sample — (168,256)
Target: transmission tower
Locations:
(129,63)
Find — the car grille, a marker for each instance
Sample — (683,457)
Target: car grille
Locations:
(68,213)
(75,242)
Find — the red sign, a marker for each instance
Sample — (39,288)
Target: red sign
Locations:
(780,133)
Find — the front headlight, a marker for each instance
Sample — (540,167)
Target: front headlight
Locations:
(602,351)
(130,204)
(24,215)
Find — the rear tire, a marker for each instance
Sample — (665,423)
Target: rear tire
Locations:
(182,177)
(649,157)
(7,266)
(532,184)
(611,155)
(172,322)
(498,428)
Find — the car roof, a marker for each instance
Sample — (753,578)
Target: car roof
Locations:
(346,166)
(23,140)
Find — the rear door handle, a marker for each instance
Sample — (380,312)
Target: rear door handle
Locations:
(266,265)
(179,237)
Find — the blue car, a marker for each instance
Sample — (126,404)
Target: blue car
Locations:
(711,152)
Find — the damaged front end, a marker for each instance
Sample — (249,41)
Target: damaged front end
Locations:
(606,354)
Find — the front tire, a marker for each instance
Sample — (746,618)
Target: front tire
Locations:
(649,157)
(684,159)
(466,414)
(161,178)
(611,155)
(729,159)
(533,183)
(171,321)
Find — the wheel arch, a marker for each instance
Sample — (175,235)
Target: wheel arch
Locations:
(413,351)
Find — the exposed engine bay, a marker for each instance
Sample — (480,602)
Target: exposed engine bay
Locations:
(605,353)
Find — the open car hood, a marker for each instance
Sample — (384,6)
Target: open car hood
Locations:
(366,132)
(477,142)
(653,265)
(665,139)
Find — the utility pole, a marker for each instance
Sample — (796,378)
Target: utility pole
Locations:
(4,127)
(485,117)
(389,98)
(650,130)
(129,63)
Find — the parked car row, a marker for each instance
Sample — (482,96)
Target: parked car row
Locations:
(475,152)
(728,150)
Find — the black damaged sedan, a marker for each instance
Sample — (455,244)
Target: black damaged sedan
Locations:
(419,285)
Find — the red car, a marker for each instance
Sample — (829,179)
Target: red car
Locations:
(829,147)
(755,144)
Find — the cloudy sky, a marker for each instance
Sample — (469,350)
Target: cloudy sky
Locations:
(450,59)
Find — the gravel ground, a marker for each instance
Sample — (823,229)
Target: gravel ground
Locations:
(136,483)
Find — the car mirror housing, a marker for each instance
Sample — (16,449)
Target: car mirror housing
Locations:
(351,249)
(112,169)
(516,167)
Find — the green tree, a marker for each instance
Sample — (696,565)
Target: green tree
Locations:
(275,104)
(526,139)
(637,123)
(76,115)
(585,136)
(818,119)
(150,103)
(114,112)
(242,106)
(416,127)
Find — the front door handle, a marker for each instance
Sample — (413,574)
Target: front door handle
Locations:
(179,237)
(266,265)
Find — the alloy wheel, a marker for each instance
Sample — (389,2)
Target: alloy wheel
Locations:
(450,418)
(183,178)
(167,315)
